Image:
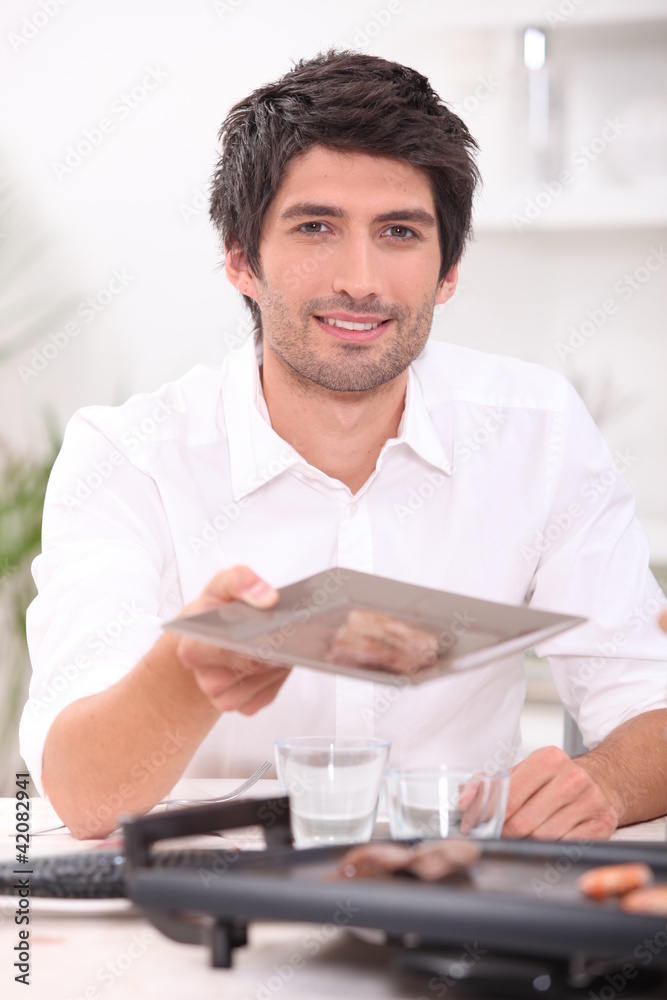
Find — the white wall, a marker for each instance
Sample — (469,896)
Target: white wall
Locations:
(134,205)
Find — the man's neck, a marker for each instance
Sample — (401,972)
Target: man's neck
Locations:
(340,433)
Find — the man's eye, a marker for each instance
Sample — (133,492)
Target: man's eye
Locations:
(312,227)
(400,232)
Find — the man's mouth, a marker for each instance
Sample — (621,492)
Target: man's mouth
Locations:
(360,329)
(343,324)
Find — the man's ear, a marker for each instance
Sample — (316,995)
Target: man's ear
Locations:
(238,270)
(447,286)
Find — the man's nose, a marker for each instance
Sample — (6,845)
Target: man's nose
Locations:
(357,268)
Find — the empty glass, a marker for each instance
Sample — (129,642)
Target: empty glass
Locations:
(435,802)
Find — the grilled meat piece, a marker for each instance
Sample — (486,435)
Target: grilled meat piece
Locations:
(436,859)
(373,639)
(374,860)
(430,861)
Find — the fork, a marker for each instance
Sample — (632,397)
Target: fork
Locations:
(255,776)
(248,783)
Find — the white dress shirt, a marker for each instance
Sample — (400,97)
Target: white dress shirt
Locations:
(497,485)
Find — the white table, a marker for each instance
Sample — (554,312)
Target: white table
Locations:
(90,950)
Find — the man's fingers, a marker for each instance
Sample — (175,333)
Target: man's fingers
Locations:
(215,677)
(260,689)
(561,822)
(240,583)
(230,681)
(531,775)
(204,658)
(197,655)
(232,695)
(663,621)
(471,803)
(598,828)
(267,693)
(576,823)
(563,806)
(566,787)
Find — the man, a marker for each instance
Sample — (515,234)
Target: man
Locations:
(336,438)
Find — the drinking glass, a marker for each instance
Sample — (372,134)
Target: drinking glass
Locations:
(333,784)
(436,802)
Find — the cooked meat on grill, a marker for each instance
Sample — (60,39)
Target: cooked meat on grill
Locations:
(372,860)
(436,859)
(373,639)
(614,880)
(430,861)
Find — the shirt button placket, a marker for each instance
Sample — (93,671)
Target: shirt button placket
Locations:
(355,714)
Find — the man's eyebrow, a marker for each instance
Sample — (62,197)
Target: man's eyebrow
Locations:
(316,211)
(419,215)
(313,209)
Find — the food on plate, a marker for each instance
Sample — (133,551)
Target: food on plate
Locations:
(651,900)
(614,880)
(430,861)
(373,639)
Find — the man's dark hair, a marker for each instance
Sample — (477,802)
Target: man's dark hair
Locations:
(347,101)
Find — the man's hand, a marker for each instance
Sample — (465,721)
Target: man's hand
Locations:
(122,749)
(552,797)
(232,682)
(662,621)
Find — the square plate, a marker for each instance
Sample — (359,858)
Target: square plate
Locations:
(299,629)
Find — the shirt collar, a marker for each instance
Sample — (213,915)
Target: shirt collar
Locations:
(416,427)
(257,454)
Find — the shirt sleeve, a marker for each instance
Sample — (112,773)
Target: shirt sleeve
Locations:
(106,579)
(591,559)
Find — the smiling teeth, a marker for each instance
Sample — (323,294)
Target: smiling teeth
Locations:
(344,325)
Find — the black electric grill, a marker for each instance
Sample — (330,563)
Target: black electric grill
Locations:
(518,905)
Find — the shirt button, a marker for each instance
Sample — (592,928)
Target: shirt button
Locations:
(352,509)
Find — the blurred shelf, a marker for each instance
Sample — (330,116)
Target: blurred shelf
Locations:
(542,718)
(557,14)
(541,726)
(580,141)
(540,687)
(643,206)
(656,530)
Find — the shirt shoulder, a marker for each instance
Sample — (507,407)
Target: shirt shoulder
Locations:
(450,372)
(186,409)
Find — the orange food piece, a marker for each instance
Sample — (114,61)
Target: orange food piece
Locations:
(614,880)
(652,900)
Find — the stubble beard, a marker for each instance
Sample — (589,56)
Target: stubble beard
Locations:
(344,367)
